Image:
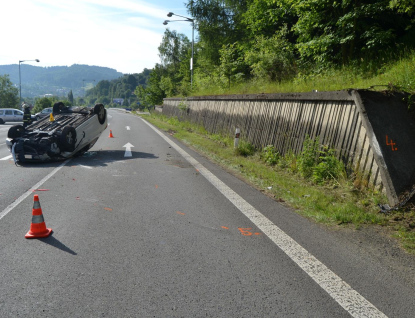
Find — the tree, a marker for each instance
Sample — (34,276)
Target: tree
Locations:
(218,23)
(349,30)
(153,94)
(70,97)
(272,59)
(407,6)
(175,52)
(42,103)
(8,93)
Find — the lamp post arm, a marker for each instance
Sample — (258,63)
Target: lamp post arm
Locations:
(189,19)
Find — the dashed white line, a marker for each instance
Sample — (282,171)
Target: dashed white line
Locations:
(354,303)
(30,191)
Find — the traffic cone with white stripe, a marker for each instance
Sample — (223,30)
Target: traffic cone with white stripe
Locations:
(111,136)
(38,226)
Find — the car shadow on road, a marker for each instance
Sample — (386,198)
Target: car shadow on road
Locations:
(92,158)
(104,157)
(56,243)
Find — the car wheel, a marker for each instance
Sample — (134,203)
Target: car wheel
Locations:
(15,131)
(99,110)
(1,121)
(68,138)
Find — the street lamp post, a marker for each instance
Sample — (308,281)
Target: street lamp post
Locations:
(170,14)
(20,81)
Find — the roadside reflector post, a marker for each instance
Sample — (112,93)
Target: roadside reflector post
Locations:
(237,135)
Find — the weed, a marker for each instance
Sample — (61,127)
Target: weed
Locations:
(245,149)
(328,167)
(308,157)
(270,155)
(289,161)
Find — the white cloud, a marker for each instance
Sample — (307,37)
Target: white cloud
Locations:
(122,34)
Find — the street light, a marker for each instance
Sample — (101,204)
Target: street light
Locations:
(20,81)
(170,14)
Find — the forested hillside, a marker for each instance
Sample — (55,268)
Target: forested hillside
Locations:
(57,80)
(251,43)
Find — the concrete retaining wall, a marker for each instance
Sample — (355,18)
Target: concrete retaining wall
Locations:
(371,131)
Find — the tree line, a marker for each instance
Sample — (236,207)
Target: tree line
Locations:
(268,40)
(118,92)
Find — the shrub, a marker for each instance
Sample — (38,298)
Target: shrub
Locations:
(288,161)
(245,149)
(308,158)
(328,168)
(270,155)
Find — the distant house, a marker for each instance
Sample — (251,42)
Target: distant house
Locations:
(118,101)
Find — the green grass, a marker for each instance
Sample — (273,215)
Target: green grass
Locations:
(399,74)
(332,203)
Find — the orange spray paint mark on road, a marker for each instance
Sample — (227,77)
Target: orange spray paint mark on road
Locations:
(224,227)
(181,213)
(245,231)
(157,186)
(108,209)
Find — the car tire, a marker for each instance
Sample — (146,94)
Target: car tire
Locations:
(100,111)
(68,138)
(15,131)
(1,121)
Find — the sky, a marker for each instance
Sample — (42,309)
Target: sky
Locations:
(119,34)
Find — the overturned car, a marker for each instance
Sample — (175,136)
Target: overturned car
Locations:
(62,135)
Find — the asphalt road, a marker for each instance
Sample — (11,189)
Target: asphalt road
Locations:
(145,227)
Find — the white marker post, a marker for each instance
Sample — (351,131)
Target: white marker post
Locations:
(237,135)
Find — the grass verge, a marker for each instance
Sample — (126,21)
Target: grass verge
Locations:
(332,203)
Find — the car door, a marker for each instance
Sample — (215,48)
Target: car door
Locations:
(17,115)
(8,115)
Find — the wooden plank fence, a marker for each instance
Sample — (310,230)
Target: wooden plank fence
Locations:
(339,119)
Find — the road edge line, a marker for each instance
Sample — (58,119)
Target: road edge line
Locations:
(354,303)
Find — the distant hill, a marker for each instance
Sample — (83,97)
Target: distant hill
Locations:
(57,80)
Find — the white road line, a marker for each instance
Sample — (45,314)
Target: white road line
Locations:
(354,303)
(30,191)
(6,158)
(86,167)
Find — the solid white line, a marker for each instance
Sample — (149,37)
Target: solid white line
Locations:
(6,158)
(86,167)
(30,191)
(354,303)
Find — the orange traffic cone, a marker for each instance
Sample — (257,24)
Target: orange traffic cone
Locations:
(51,118)
(37,227)
(110,136)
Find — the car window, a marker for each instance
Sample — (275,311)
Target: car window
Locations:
(9,112)
(1,112)
(18,112)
